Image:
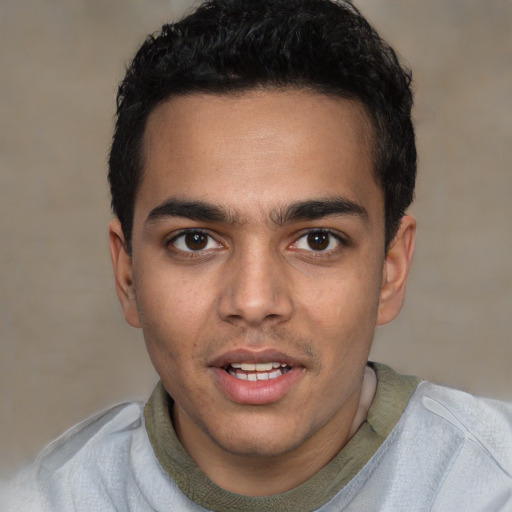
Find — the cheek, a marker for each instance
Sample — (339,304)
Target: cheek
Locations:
(173,314)
(169,300)
(172,345)
(345,302)
(343,319)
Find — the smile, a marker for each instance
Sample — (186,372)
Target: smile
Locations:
(257,371)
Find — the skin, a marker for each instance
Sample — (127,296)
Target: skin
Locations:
(260,287)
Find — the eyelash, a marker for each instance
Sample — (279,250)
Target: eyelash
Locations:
(321,231)
(171,243)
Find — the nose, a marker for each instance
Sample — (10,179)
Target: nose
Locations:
(256,289)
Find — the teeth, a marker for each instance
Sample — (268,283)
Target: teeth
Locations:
(264,367)
(260,371)
(257,367)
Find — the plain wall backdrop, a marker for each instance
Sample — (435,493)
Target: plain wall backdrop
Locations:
(65,351)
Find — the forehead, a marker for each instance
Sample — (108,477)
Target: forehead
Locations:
(257,150)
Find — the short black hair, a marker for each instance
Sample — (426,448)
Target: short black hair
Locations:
(236,45)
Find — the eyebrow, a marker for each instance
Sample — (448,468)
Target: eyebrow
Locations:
(194,210)
(303,210)
(317,209)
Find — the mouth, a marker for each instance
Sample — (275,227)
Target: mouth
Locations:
(256,377)
(257,371)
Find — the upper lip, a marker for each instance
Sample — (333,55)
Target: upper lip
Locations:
(243,355)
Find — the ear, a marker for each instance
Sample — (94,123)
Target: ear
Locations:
(122,263)
(396,270)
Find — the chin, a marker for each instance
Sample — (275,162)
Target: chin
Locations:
(264,441)
(258,447)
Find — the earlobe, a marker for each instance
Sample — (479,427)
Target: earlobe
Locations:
(122,264)
(396,270)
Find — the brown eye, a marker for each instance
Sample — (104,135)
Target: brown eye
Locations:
(196,241)
(318,241)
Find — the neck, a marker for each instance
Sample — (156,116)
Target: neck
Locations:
(265,476)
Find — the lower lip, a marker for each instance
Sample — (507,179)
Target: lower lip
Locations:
(256,392)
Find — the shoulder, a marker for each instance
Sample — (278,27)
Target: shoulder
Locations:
(485,422)
(105,463)
(112,427)
(94,455)
(449,451)
(460,447)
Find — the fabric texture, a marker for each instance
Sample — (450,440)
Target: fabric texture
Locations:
(448,451)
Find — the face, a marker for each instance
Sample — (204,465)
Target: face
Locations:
(258,271)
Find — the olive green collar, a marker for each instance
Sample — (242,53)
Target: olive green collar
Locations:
(393,394)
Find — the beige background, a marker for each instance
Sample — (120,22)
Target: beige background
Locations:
(65,351)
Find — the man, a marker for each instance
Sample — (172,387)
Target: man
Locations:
(262,164)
